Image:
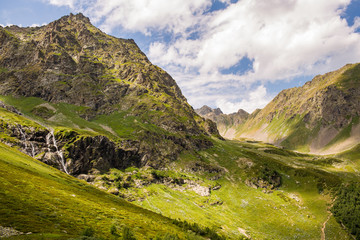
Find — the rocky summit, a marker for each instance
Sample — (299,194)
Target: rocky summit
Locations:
(226,123)
(71,65)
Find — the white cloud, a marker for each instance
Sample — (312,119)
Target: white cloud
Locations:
(10,24)
(141,15)
(68,3)
(284,38)
(356,25)
(255,99)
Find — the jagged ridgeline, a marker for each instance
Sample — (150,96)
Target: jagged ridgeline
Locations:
(106,103)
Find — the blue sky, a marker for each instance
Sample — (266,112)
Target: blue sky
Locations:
(224,53)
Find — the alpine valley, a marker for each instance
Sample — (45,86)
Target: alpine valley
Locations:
(99,143)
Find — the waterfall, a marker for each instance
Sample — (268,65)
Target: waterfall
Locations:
(32,149)
(23,136)
(50,137)
(25,142)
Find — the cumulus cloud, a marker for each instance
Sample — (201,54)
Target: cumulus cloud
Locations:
(175,16)
(255,99)
(68,3)
(37,25)
(10,24)
(283,38)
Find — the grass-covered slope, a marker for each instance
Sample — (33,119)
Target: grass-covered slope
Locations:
(319,117)
(244,189)
(234,188)
(39,199)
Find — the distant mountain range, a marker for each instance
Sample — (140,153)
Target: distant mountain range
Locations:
(226,123)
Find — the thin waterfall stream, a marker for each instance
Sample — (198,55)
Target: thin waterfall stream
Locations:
(23,136)
(59,152)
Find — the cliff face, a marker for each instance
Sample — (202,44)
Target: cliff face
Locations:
(321,116)
(77,74)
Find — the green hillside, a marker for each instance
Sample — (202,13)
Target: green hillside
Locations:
(319,117)
(234,188)
(244,197)
(39,199)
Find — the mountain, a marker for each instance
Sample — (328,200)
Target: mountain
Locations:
(320,117)
(98,90)
(127,157)
(226,123)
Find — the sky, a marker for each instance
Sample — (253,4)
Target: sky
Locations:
(231,54)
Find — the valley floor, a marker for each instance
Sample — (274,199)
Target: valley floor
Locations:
(236,202)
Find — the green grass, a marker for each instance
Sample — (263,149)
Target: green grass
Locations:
(297,209)
(294,211)
(3,70)
(39,199)
(350,77)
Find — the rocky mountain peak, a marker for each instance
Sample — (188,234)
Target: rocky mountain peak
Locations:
(224,121)
(71,19)
(242,112)
(217,111)
(74,47)
(204,110)
(78,17)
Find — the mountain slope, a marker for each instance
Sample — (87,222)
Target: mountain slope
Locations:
(39,199)
(72,75)
(227,188)
(320,117)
